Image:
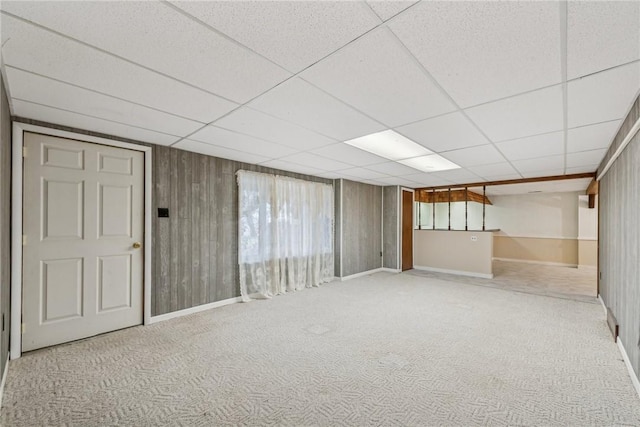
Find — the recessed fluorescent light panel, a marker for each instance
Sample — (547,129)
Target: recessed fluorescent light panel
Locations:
(393,146)
(431,163)
(390,145)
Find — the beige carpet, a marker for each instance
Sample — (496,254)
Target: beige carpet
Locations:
(549,280)
(379,350)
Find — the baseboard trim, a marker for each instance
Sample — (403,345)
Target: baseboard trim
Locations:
(391,270)
(604,307)
(192,310)
(632,373)
(457,272)
(4,378)
(527,261)
(364,273)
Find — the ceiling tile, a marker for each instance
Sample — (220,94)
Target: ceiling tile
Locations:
(506,177)
(260,125)
(386,9)
(458,176)
(37,50)
(329,175)
(493,170)
(531,147)
(393,169)
(481,155)
(376,75)
(540,164)
(444,133)
(523,115)
(316,162)
(543,172)
(601,35)
(396,180)
(292,167)
(291,33)
(299,102)
(362,173)
(603,96)
(157,36)
(235,141)
(585,158)
(482,51)
(41,90)
(592,137)
(427,179)
(583,169)
(217,151)
(349,154)
(81,121)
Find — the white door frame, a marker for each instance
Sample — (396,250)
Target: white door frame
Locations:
(16,220)
(413,241)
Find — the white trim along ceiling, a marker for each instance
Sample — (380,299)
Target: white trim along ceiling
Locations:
(504,90)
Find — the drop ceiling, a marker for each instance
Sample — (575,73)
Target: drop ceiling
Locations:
(505,90)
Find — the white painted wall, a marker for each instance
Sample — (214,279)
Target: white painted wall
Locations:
(587,219)
(551,215)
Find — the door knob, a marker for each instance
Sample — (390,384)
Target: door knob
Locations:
(137,245)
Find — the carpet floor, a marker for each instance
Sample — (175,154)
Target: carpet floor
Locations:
(549,280)
(383,349)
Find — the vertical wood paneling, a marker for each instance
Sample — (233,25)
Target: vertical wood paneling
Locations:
(162,237)
(361,227)
(5,223)
(337,242)
(619,238)
(196,248)
(390,227)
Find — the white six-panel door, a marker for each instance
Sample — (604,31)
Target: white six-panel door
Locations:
(83,226)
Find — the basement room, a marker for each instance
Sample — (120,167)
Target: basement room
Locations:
(327,213)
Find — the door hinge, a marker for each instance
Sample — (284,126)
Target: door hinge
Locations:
(23,327)
(24,240)
(24,152)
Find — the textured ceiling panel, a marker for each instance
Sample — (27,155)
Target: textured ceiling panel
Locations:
(379,77)
(444,133)
(523,115)
(301,103)
(34,49)
(482,51)
(601,35)
(158,37)
(293,34)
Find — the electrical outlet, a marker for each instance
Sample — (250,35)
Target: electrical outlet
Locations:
(474,238)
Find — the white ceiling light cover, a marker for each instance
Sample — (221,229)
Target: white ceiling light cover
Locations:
(390,145)
(431,163)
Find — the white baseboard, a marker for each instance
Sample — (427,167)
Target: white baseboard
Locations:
(458,272)
(196,309)
(4,379)
(391,270)
(632,374)
(364,273)
(603,306)
(526,261)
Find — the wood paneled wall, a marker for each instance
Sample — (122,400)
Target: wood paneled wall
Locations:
(195,257)
(5,223)
(619,238)
(337,243)
(361,227)
(390,226)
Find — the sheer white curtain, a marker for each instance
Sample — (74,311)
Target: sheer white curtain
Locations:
(285,229)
